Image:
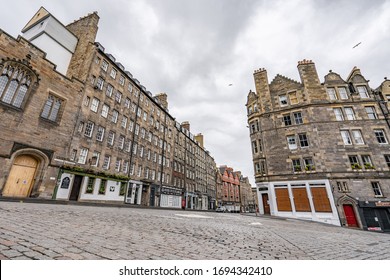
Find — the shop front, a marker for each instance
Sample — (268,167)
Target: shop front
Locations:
(171,197)
(375,215)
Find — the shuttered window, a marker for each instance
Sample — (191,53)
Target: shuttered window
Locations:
(320,199)
(283,199)
(301,200)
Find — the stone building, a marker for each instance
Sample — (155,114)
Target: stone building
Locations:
(37,108)
(320,150)
(247,197)
(230,189)
(99,135)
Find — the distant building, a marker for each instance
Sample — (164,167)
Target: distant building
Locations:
(247,197)
(321,150)
(230,198)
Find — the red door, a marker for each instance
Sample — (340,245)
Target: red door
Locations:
(350,215)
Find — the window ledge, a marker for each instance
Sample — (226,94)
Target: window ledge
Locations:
(48,121)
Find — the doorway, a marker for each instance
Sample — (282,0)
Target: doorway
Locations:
(74,194)
(350,215)
(266,207)
(21,177)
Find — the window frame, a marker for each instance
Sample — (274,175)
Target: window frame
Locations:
(371,115)
(305,140)
(290,138)
(377,189)
(283,100)
(382,137)
(56,113)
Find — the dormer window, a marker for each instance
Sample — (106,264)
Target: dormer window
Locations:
(283,100)
(362,90)
(331,93)
(342,92)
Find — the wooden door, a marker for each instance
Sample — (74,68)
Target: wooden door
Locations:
(266,208)
(350,215)
(21,177)
(74,194)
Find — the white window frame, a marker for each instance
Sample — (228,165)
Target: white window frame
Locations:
(371,112)
(105,110)
(113,73)
(111,138)
(83,156)
(124,122)
(118,165)
(292,142)
(377,189)
(332,93)
(342,93)
(338,112)
(345,135)
(89,129)
(100,134)
(349,113)
(383,135)
(357,137)
(114,117)
(109,90)
(283,101)
(100,83)
(122,80)
(106,162)
(362,90)
(95,104)
(104,65)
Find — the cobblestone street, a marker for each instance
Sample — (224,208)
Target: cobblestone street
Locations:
(54,231)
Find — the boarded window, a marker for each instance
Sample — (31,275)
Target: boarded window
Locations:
(283,199)
(320,199)
(301,200)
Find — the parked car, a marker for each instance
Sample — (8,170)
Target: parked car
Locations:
(220,209)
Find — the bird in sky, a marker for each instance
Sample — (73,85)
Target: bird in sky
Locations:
(230,85)
(356,45)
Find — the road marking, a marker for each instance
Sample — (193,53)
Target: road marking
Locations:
(194,216)
(256,224)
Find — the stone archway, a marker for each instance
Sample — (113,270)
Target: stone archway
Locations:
(28,166)
(347,207)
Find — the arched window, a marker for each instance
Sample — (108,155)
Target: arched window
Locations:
(15,81)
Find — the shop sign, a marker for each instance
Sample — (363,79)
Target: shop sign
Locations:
(382,204)
(170,191)
(374,229)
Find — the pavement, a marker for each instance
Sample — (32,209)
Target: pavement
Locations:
(75,231)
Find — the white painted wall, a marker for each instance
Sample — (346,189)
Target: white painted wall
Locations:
(112,191)
(54,39)
(63,194)
(54,52)
(329,218)
(173,201)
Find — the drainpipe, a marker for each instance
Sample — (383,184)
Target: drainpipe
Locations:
(132,144)
(162,157)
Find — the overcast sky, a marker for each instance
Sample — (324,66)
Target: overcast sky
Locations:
(193,50)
